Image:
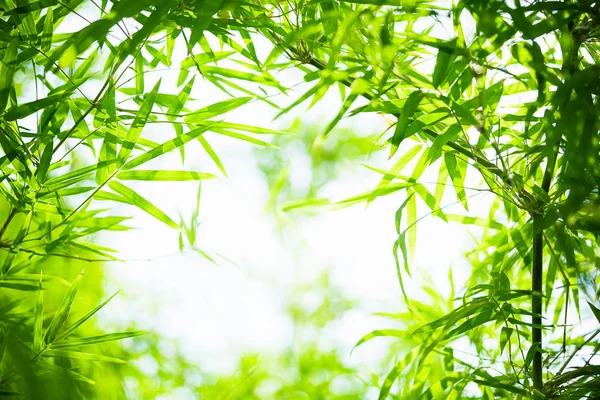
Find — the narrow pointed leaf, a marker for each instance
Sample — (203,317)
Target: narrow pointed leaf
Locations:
(77,355)
(166,147)
(135,199)
(62,313)
(138,125)
(111,337)
(147,175)
(81,320)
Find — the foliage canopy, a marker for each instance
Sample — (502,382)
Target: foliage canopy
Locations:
(505,92)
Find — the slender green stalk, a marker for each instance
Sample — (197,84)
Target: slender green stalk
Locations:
(536,301)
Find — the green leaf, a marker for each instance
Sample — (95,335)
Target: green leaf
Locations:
(205,58)
(457,171)
(138,124)
(62,313)
(148,175)
(48,29)
(277,187)
(444,57)
(216,109)
(204,16)
(131,197)
(391,174)
(62,372)
(27,109)
(468,220)
(408,110)
(211,153)
(75,176)
(108,151)
(241,136)
(7,72)
(535,347)
(166,147)
(139,73)
(380,333)
(31,6)
(81,320)
(449,135)
(375,193)
(5,283)
(77,355)
(38,320)
(505,335)
(595,310)
(345,106)
(400,245)
(97,339)
(390,379)
(182,98)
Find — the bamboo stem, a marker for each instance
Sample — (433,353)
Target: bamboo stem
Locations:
(536,301)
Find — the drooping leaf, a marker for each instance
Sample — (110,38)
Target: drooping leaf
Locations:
(133,198)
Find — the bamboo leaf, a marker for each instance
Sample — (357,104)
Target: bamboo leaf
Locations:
(108,151)
(111,337)
(390,379)
(81,320)
(211,153)
(138,124)
(48,28)
(27,109)
(408,110)
(401,163)
(182,98)
(380,333)
(135,199)
(61,372)
(7,72)
(444,57)
(457,170)
(77,355)
(216,109)
(148,175)
(595,310)
(166,147)
(38,320)
(468,220)
(62,313)
(505,335)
